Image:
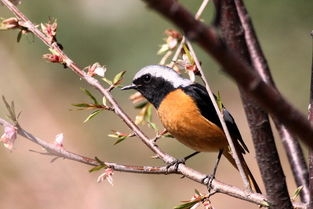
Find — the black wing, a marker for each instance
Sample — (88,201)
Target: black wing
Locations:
(204,103)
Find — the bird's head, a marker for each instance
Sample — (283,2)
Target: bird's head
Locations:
(154,82)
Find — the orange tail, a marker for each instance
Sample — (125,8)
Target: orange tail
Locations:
(246,169)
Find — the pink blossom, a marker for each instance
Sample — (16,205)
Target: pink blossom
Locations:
(59,138)
(106,175)
(96,69)
(9,136)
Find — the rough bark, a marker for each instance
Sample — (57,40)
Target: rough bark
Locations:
(266,153)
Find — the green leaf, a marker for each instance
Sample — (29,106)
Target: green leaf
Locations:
(187,205)
(19,36)
(93,114)
(153,125)
(141,105)
(90,95)
(197,192)
(120,139)
(107,81)
(186,50)
(53,51)
(113,135)
(99,161)
(148,115)
(118,77)
(104,101)
(265,203)
(168,135)
(163,49)
(82,105)
(297,192)
(219,101)
(99,167)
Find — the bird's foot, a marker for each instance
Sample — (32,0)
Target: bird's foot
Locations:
(208,181)
(175,164)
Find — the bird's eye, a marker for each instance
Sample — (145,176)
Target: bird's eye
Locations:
(147,78)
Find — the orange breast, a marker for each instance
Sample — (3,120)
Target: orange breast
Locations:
(182,118)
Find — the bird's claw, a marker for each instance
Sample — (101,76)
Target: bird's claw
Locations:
(175,164)
(208,181)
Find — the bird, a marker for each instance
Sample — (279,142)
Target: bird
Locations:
(187,113)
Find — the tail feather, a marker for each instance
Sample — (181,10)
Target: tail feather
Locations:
(246,169)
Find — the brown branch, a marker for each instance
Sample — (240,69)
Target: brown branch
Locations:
(242,72)
(194,175)
(258,120)
(182,169)
(291,145)
(310,206)
(56,151)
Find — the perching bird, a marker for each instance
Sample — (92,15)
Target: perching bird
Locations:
(186,111)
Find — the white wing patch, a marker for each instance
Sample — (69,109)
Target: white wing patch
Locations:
(166,73)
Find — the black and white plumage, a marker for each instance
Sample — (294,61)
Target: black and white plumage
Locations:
(187,112)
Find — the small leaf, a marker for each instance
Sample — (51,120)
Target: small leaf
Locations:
(19,36)
(153,125)
(141,105)
(93,114)
(82,105)
(219,101)
(197,192)
(148,115)
(187,205)
(99,167)
(163,49)
(168,135)
(113,135)
(107,81)
(120,139)
(90,95)
(118,77)
(104,101)
(186,50)
(99,161)
(297,192)
(53,51)
(265,203)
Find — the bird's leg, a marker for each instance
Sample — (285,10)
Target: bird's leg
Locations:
(209,178)
(190,156)
(179,161)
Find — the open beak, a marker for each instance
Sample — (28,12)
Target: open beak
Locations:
(131,86)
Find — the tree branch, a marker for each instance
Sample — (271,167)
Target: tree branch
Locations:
(194,175)
(291,145)
(258,120)
(182,169)
(310,206)
(56,151)
(242,72)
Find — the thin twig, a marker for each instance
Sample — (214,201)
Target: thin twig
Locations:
(183,41)
(221,118)
(53,150)
(194,175)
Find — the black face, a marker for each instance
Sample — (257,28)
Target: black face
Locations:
(154,89)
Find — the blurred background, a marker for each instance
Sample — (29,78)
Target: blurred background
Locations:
(125,35)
